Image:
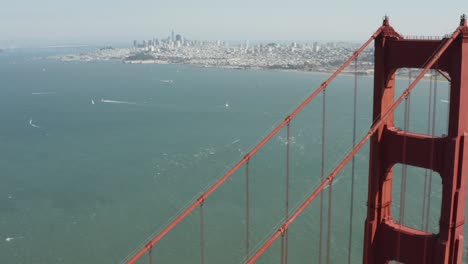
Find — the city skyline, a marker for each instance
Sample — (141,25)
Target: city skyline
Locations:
(89,22)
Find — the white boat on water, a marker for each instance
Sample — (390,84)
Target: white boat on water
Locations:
(32,124)
(167,81)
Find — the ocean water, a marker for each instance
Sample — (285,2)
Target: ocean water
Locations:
(95,157)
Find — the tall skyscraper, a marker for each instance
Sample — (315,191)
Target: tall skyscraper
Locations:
(172,36)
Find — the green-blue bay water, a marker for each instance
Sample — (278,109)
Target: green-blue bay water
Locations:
(95,157)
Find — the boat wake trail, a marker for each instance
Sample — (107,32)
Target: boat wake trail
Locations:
(117,102)
(42,93)
(10,239)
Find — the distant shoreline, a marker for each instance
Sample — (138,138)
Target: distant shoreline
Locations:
(361,73)
(246,68)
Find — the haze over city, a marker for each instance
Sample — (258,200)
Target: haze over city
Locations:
(50,22)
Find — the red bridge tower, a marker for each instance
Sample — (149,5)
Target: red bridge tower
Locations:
(385,239)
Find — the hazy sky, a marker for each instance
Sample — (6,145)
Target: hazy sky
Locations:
(108,21)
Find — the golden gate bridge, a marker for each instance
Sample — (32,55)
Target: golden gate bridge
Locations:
(385,237)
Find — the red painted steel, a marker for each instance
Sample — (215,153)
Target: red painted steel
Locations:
(445,75)
(387,114)
(384,238)
(226,176)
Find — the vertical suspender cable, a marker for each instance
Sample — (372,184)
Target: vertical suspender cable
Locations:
(403,167)
(448,104)
(202,235)
(282,249)
(150,254)
(322,175)
(247,209)
(329,220)
(426,173)
(288,143)
(432,133)
(330,186)
(353,164)
(429,191)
